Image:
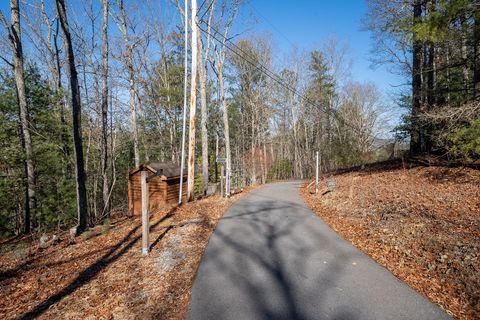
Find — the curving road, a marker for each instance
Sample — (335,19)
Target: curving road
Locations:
(272,258)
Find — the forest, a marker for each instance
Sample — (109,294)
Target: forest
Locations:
(91,89)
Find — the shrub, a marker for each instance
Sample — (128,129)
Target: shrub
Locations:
(281,169)
(465,142)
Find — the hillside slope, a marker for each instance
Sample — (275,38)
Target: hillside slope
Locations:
(422,223)
(102,274)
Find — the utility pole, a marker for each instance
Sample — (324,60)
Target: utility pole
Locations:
(193,105)
(316,174)
(185,85)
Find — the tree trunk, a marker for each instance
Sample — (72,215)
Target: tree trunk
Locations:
(254,169)
(193,108)
(63,120)
(76,120)
(226,130)
(131,80)
(265,164)
(297,166)
(415,139)
(133,107)
(447,76)
(243,148)
(216,157)
(112,151)
(104,151)
(307,148)
(465,61)
(16,44)
(430,94)
(202,72)
(476,49)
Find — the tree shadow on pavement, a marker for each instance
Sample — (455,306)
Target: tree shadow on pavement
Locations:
(261,258)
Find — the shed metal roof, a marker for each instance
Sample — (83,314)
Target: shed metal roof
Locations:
(166,169)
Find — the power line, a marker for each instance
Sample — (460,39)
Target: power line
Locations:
(209,7)
(257,65)
(272,75)
(201,6)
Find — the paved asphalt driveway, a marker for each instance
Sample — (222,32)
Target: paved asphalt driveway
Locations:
(272,258)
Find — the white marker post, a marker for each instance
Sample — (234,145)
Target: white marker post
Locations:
(145,215)
(316,174)
(223,187)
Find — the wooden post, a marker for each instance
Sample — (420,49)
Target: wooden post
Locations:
(145,214)
(316,174)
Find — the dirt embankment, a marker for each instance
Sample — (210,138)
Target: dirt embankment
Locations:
(422,223)
(102,274)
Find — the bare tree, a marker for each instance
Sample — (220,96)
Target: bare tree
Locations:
(47,46)
(416,144)
(193,105)
(391,48)
(203,59)
(14,36)
(121,22)
(76,120)
(104,108)
(476,50)
(227,13)
(37,21)
(361,107)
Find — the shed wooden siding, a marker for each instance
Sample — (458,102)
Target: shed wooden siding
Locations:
(173,189)
(162,191)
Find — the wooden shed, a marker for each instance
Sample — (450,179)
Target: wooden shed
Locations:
(163,186)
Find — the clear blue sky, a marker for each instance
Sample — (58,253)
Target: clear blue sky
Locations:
(307,23)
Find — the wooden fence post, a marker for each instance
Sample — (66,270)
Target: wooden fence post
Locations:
(145,215)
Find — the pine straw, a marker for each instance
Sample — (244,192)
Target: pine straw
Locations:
(103,274)
(421,223)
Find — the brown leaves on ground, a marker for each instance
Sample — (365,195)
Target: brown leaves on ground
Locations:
(102,274)
(422,223)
